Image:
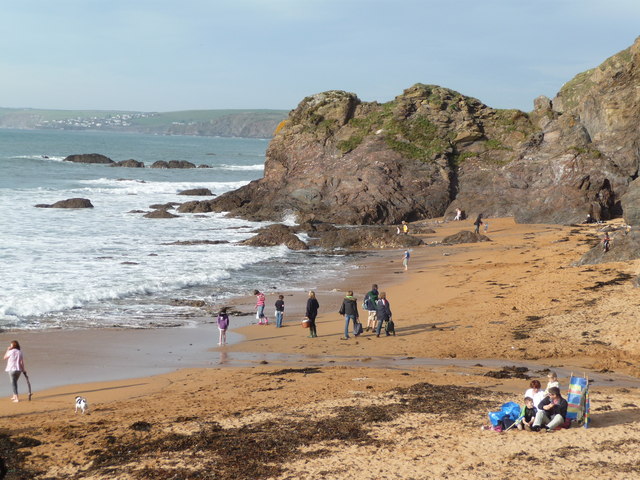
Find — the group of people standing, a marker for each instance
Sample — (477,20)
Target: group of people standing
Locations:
(375,303)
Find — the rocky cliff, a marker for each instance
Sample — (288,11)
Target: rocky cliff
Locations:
(432,150)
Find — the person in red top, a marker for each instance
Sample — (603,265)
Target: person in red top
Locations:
(260,300)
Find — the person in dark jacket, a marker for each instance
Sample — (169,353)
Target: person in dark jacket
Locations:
(552,411)
(370,300)
(312,313)
(383,312)
(349,309)
(477,223)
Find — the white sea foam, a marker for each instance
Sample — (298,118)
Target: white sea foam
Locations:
(104,266)
(241,168)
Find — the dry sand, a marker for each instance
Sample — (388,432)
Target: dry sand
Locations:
(281,405)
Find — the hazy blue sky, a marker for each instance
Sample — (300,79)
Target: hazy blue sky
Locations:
(159,55)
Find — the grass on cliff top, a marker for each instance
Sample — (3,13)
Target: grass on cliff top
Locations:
(417,137)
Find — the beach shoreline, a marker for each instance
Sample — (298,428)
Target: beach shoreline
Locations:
(464,315)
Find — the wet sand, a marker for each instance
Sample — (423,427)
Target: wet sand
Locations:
(472,308)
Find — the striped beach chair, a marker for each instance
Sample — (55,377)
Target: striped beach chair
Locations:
(578,400)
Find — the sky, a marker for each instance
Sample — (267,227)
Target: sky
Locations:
(168,55)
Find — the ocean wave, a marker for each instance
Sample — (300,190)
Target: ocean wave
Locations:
(52,158)
(135,187)
(258,166)
(45,302)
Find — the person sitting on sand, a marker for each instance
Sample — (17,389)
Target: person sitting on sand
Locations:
(552,381)
(260,301)
(383,312)
(535,392)
(528,414)
(312,313)
(349,309)
(370,300)
(223,325)
(551,411)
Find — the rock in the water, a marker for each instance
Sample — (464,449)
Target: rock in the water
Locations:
(202,192)
(464,236)
(89,158)
(196,206)
(197,242)
(364,238)
(69,203)
(164,206)
(274,235)
(131,163)
(160,214)
(173,164)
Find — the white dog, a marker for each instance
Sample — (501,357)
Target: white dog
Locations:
(82,404)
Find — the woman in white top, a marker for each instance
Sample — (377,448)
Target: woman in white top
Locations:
(15,366)
(535,392)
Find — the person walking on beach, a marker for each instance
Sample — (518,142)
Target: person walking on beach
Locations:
(405,259)
(458,214)
(370,300)
(260,300)
(223,325)
(312,313)
(349,309)
(15,366)
(477,223)
(405,227)
(383,312)
(279,311)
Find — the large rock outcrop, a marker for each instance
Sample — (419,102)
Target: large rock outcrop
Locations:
(432,150)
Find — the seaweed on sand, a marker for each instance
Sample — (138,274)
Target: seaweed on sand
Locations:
(260,450)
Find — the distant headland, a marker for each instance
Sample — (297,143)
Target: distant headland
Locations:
(222,123)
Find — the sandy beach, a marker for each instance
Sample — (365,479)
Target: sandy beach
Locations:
(276,404)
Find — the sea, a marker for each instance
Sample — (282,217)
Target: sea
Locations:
(106,266)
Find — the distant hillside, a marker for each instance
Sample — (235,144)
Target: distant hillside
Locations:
(223,123)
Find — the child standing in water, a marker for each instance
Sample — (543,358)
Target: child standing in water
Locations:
(279,310)
(223,325)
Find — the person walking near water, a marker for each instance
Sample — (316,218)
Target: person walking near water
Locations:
(223,325)
(477,223)
(384,312)
(312,313)
(279,310)
(15,366)
(370,300)
(349,309)
(405,259)
(260,300)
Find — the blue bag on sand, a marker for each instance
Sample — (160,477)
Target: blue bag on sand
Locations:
(509,410)
(512,410)
(496,417)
